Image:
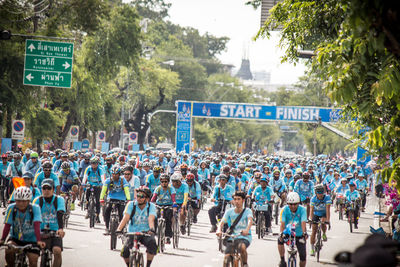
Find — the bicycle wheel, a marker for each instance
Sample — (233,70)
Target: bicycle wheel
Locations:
(350,219)
(113,228)
(262,226)
(220,244)
(139,260)
(161,236)
(175,230)
(228,261)
(43,260)
(132,259)
(318,244)
(258,232)
(340,212)
(276,213)
(91,214)
(189,220)
(292,261)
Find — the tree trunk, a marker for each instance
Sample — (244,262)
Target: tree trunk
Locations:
(8,122)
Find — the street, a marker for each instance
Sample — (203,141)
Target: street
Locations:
(89,247)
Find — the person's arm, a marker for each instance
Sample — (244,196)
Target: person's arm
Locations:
(249,224)
(328,212)
(185,199)
(154,198)
(311,212)
(104,191)
(6,231)
(152,219)
(123,222)
(127,193)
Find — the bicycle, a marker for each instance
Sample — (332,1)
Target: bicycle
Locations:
(91,206)
(318,242)
(175,229)
(161,229)
(291,242)
(277,202)
(340,203)
(67,213)
(260,226)
(351,216)
(3,191)
(136,258)
(46,258)
(114,222)
(189,216)
(234,260)
(21,259)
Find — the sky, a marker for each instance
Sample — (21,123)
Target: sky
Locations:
(233,19)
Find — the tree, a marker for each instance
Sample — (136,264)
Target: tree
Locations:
(358,48)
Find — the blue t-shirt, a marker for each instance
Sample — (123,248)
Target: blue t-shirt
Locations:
(134,184)
(3,168)
(40,177)
(195,190)
(21,227)
(297,218)
(203,175)
(94,176)
(342,190)
(72,176)
(277,185)
(180,192)
(262,196)
(164,197)
(230,216)
(305,190)
(49,212)
(220,194)
(320,205)
(152,182)
(32,167)
(116,188)
(361,185)
(350,196)
(140,221)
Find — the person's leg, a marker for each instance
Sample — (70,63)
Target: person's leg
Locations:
(168,222)
(301,248)
(121,208)
(212,214)
(57,257)
(33,259)
(312,238)
(97,192)
(107,214)
(10,255)
(243,252)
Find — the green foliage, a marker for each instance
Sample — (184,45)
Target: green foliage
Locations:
(357,45)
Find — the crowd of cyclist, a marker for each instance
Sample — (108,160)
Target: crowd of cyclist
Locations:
(301,189)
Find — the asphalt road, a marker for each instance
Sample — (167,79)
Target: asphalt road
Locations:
(89,247)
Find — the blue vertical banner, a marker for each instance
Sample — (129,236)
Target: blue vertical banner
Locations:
(5,145)
(183,126)
(77,146)
(362,157)
(105,147)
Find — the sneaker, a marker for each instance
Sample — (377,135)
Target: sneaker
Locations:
(97,219)
(213,229)
(72,206)
(168,241)
(106,232)
(312,252)
(183,229)
(194,219)
(282,263)
(87,215)
(324,237)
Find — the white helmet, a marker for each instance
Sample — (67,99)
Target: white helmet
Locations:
(177,176)
(293,198)
(23,193)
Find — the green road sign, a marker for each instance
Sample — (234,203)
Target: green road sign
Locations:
(48,63)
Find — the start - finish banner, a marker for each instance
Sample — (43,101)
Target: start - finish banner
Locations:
(186,110)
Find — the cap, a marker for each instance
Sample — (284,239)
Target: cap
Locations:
(48,182)
(27,175)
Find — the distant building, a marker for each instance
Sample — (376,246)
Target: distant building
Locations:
(244,72)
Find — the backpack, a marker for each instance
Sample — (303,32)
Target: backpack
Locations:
(134,210)
(55,202)
(30,210)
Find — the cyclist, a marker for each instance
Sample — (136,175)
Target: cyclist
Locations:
(85,163)
(153,179)
(182,193)
(116,188)
(292,183)
(23,219)
(47,173)
(362,187)
(226,170)
(222,195)
(164,195)
(95,177)
(172,164)
(354,195)
(279,186)
(254,183)
(184,169)
(341,190)
(52,209)
(194,195)
(262,195)
(133,181)
(294,213)
(28,177)
(288,176)
(215,170)
(33,164)
(108,166)
(242,229)
(63,158)
(320,211)
(15,168)
(140,216)
(70,181)
(305,189)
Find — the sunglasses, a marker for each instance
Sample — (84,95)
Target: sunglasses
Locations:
(46,170)
(141,196)
(66,169)
(293,204)
(164,182)
(47,188)
(127,173)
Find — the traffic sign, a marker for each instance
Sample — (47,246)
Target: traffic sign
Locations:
(133,138)
(100,138)
(48,63)
(85,143)
(18,129)
(74,133)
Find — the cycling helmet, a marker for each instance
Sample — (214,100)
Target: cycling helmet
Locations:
(297,176)
(190,176)
(276,171)
(289,172)
(164,176)
(64,155)
(145,190)
(87,155)
(47,165)
(319,189)
(23,193)
(65,165)
(176,176)
(343,180)
(122,158)
(223,177)
(183,166)
(17,156)
(235,171)
(95,160)
(127,167)
(193,169)
(226,169)
(28,175)
(352,183)
(257,174)
(241,167)
(306,175)
(115,169)
(157,169)
(146,164)
(264,179)
(293,198)
(34,155)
